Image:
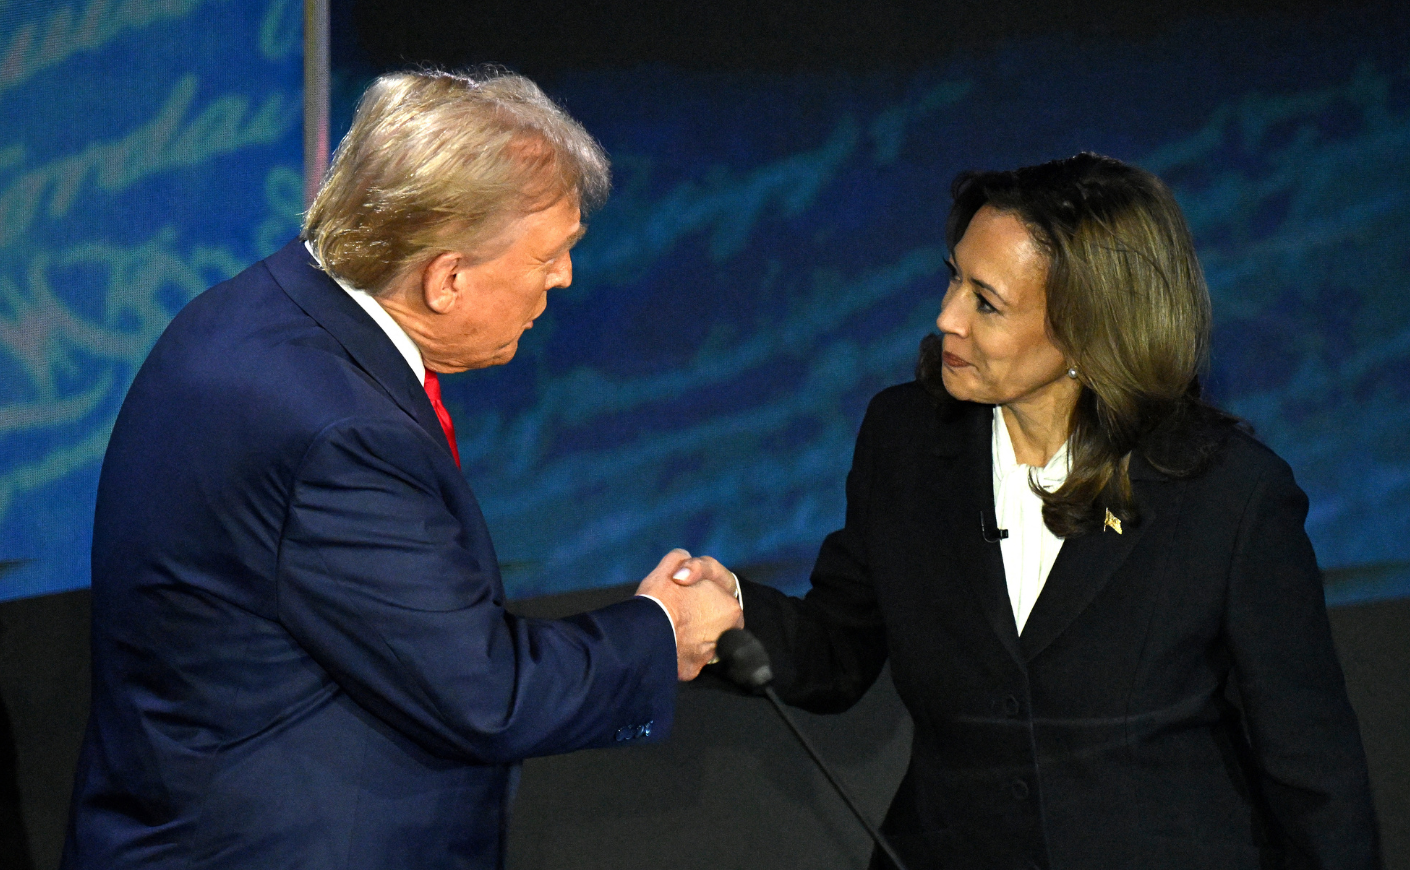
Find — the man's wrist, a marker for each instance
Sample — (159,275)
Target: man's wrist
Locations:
(664,609)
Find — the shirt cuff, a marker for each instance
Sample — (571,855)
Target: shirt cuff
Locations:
(669,618)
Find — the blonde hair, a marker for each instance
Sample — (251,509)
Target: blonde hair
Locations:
(443,161)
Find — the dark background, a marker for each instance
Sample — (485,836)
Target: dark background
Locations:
(730,789)
(546,40)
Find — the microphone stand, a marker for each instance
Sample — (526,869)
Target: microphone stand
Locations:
(836,783)
(747,663)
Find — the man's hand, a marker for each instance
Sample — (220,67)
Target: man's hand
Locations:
(700,612)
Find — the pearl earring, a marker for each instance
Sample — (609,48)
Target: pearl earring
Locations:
(1072,372)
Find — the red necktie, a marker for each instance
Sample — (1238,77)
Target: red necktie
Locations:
(433,392)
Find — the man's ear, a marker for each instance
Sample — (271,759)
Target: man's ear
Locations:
(439,289)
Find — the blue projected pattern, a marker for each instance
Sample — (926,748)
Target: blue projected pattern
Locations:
(773,254)
(149,149)
(771,257)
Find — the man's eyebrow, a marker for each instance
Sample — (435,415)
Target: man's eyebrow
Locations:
(576,237)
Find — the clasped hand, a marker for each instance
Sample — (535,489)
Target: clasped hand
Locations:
(700,611)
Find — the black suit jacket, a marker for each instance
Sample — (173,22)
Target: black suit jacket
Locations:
(301,657)
(1174,700)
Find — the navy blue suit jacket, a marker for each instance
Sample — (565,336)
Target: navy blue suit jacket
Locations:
(301,656)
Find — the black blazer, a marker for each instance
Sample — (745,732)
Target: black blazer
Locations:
(1173,702)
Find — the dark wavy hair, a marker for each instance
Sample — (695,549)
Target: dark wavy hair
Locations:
(1128,304)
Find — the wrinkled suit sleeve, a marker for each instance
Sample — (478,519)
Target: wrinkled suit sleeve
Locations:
(388,591)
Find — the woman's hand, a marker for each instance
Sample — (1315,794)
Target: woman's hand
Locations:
(707,568)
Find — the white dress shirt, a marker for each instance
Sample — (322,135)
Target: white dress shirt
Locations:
(408,349)
(1030,548)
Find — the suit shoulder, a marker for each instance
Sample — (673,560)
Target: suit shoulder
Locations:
(896,409)
(908,400)
(1239,465)
(910,407)
(254,291)
(905,422)
(1246,456)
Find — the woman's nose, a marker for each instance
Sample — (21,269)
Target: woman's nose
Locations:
(950,320)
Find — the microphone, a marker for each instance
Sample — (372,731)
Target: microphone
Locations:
(747,664)
(999,534)
(746,660)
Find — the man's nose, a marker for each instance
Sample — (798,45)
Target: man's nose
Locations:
(562,274)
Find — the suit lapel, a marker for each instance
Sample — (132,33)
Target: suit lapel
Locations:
(1086,564)
(966,497)
(322,299)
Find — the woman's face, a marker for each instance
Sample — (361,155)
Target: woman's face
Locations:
(994,321)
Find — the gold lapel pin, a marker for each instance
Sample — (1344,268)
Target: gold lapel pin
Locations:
(1111,522)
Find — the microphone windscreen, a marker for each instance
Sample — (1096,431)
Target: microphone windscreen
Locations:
(746,660)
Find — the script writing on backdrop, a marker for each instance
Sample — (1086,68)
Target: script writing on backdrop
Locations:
(773,254)
(771,257)
(149,150)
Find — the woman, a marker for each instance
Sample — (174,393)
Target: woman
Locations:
(1095,591)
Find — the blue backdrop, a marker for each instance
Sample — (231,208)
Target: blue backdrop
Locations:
(770,258)
(147,150)
(773,254)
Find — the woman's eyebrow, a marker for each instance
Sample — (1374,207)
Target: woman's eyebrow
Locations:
(984,285)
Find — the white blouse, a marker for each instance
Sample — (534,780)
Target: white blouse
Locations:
(1030,548)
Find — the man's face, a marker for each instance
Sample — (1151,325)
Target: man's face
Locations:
(498,298)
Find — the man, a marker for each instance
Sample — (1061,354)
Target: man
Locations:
(301,656)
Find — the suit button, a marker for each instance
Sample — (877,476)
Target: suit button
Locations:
(1019,789)
(1011,706)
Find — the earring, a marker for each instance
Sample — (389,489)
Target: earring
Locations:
(1072,372)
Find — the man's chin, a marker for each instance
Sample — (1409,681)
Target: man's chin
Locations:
(504,354)
(495,358)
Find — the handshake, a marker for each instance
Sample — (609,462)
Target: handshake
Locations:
(699,596)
